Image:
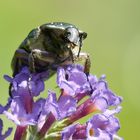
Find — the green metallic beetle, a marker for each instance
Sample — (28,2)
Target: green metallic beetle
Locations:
(49,46)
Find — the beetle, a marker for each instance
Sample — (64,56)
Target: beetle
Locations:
(49,46)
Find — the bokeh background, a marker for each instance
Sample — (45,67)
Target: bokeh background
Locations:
(113,28)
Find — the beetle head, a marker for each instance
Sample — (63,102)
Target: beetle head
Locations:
(75,37)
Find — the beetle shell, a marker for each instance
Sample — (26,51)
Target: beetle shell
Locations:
(48,46)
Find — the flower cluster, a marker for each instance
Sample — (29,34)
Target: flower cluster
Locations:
(56,117)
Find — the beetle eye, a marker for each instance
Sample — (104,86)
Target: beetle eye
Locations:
(72,35)
(67,34)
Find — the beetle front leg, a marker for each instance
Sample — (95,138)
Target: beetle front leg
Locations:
(84,57)
(20,58)
(31,60)
(40,55)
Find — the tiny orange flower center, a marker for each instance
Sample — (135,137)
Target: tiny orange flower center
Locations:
(91,132)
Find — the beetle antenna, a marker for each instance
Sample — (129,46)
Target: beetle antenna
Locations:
(80,46)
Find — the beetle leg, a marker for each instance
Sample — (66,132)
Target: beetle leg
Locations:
(20,53)
(31,60)
(20,58)
(87,64)
(43,55)
(40,55)
(84,57)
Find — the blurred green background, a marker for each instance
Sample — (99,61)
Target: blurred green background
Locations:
(113,28)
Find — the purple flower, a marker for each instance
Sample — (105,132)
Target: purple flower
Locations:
(76,83)
(20,116)
(55,110)
(80,132)
(101,126)
(97,103)
(25,82)
(100,89)
(23,110)
(6,134)
(50,107)
(73,80)
(24,87)
(66,105)
(68,132)
(74,132)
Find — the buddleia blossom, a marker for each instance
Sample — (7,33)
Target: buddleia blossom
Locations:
(55,117)
(73,80)
(24,111)
(100,98)
(101,126)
